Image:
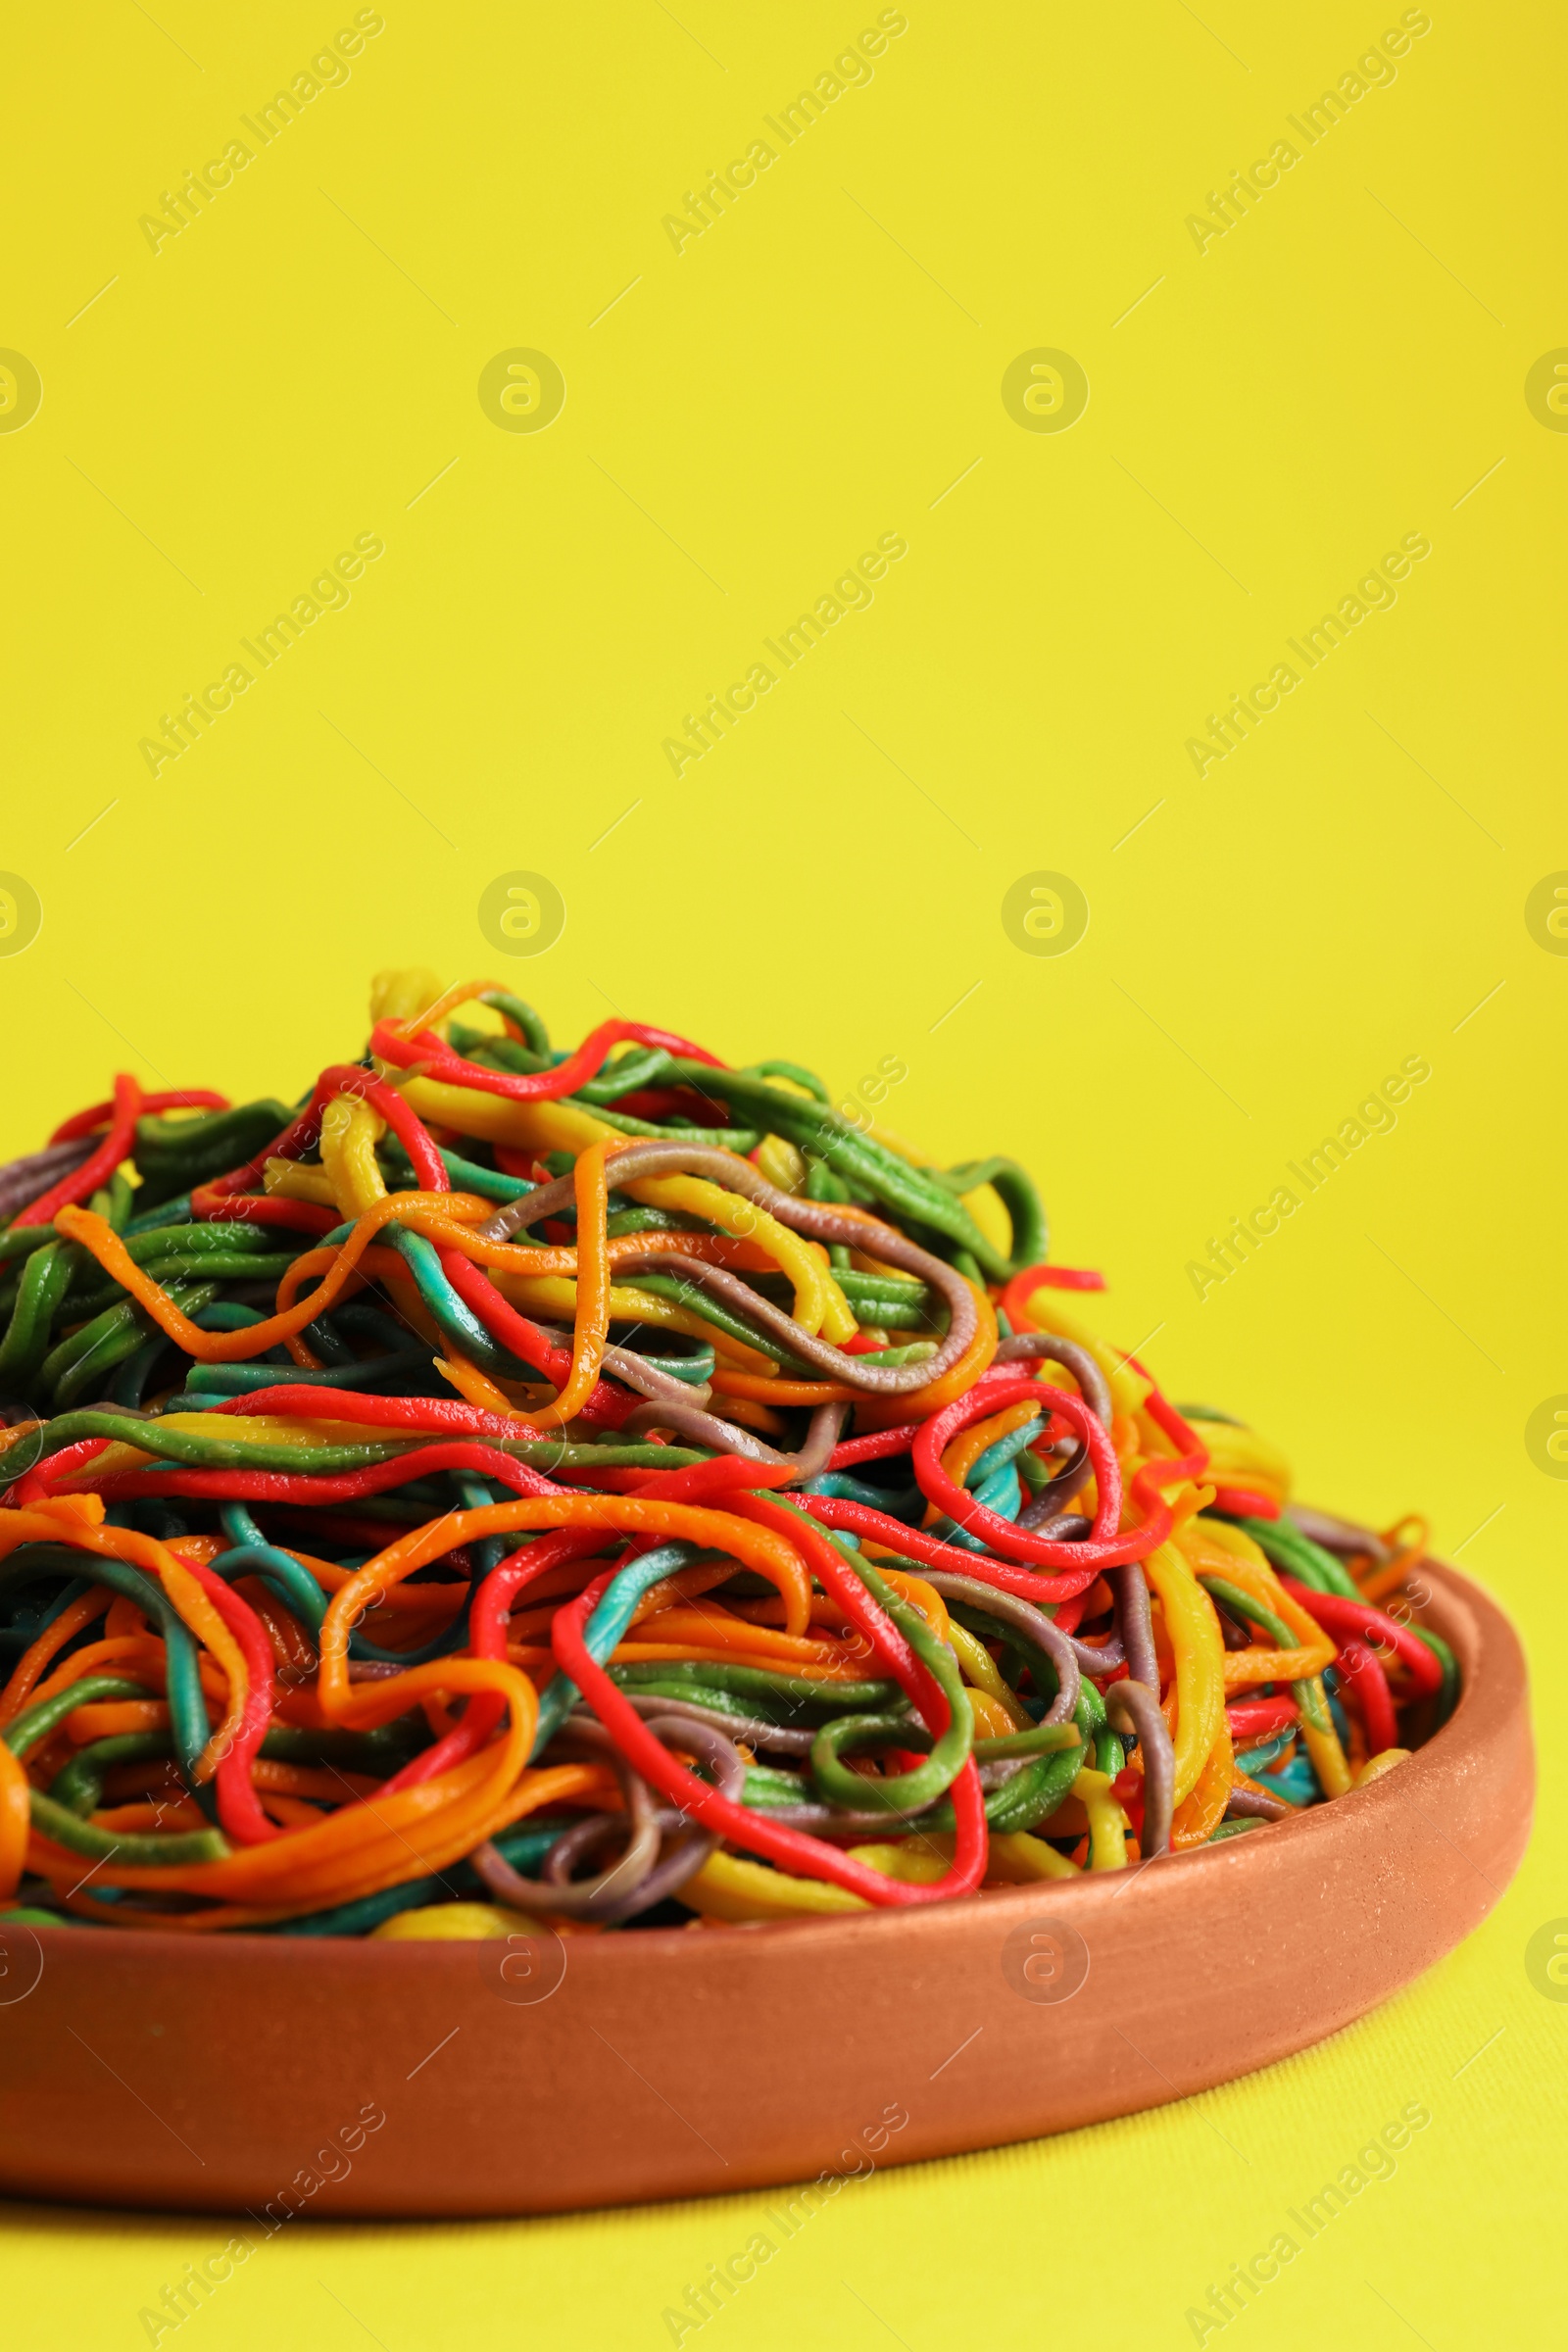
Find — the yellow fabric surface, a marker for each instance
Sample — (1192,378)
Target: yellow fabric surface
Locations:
(1274,403)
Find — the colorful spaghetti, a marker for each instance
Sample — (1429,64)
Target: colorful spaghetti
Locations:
(609,1488)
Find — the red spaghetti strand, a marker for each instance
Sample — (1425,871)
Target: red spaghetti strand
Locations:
(83,1182)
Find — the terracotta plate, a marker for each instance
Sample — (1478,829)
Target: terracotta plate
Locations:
(250,2072)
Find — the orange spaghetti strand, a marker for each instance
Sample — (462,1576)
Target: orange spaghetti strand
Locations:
(715,1630)
(513,1258)
(33,1662)
(767,1390)
(1204,1809)
(591,1328)
(970,1444)
(886,1412)
(383,1830)
(97,1236)
(15,1821)
(694,1653)
(139,1657)
(381,1840)
(145,1551)
(560,1783)
(753,1546)
(477,1387)
(461,992)
(1378,1583)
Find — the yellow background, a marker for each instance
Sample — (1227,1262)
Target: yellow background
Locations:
(817,368)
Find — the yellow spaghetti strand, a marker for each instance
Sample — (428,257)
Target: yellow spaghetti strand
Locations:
(1193,1630)
(350,1132)
(819,1305)
(1107,1824)
(538,1127)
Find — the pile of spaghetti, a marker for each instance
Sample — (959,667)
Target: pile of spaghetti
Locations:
(611,1487)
